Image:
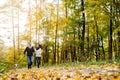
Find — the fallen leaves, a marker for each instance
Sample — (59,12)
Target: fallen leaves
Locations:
(92,72)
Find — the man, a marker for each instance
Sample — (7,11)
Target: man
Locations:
(30,50)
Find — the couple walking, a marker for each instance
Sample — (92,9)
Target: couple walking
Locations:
(30,50)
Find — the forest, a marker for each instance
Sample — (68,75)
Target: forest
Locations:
(70,32)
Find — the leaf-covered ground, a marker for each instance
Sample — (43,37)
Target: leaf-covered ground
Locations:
(81,72)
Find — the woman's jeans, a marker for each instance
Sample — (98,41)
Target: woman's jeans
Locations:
(29,58)
(38,61)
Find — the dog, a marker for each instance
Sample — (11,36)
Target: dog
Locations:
(16,66)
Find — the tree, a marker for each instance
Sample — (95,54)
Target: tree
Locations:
(18,30)
(56,31)
(111,31)
(83,27)
(12,15)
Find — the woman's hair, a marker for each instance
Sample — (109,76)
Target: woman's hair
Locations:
(38,47)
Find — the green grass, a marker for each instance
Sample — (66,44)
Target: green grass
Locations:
(2,67)
(82,63)
(67,64)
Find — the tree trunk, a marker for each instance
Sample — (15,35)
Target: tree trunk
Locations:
(74,53)
(54,55)
(30,19)
(65,52)
(66,56)
(83,31)
(12,16)
(97,41)
(103,51)
(110,34)
(46,54)
(88,54)
(18,32)
(58,53)
(118,55)
(79,38)
(36,33)
(36,23)
(62,56)
(56,33)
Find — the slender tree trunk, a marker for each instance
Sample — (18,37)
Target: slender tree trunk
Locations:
(72,54)
(65,54)
(62,56)
(83,25)
(18,31)
(94,46)
(46,54)
(36,24)
(98,50)
(55,53)
(88,53)
(74,48)
(36,33)
(95,40)
(97,35)
(110,34)
(103,51)
(78,56)
(79,38)
(58,54)
(115,48)
(30,19)
(118,55)
(13,31)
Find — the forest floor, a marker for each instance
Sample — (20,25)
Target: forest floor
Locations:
(109,71)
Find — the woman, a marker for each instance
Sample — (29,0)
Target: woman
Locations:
(38,52)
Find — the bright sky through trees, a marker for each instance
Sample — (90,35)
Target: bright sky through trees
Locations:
(5,22)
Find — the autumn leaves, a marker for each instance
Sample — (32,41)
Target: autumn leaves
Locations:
(81,72)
